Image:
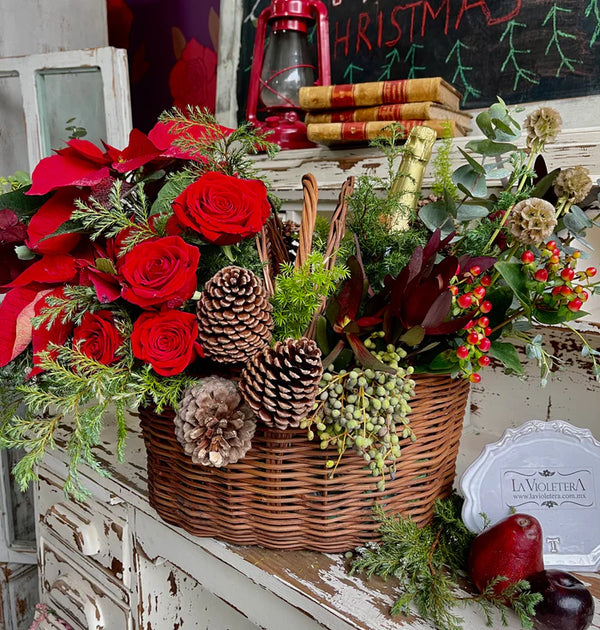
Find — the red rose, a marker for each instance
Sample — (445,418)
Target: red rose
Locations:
(166,340)
(222,208)
(97,337)
(159,271)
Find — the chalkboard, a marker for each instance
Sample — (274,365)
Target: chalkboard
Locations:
(521,50)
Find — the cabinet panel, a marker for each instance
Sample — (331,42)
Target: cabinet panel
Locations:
(170,598)
(93,530)
(82,601)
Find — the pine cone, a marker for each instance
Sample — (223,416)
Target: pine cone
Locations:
(234,315)
(281,383)
(532,221)
(212,424)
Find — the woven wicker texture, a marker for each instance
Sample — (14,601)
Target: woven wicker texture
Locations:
(280,497)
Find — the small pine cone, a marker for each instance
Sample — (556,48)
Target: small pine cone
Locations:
(532,221)
(234,316)
(281,383)
(212,424)
(573,183)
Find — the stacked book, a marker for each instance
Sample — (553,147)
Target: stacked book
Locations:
(358,112)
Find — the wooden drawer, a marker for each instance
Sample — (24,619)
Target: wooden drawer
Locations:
(79,599)
(96,531)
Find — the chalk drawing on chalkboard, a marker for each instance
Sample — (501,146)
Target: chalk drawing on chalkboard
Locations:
(557,35)
(593,8)
(414,70)
(455,57)
(512,56)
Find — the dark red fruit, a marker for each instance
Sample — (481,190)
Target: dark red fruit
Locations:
(567,604)
(511,548)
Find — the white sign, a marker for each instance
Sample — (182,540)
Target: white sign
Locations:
(550,470)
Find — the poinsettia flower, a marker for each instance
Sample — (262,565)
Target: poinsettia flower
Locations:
(56,211)
(80,163)
(193,79)
(138,152)
(166,136)
(11,229)
(16,311)
(50,269)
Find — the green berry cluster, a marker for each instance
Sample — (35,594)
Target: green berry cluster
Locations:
(366,410)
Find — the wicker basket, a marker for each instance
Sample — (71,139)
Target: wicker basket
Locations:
(279,496)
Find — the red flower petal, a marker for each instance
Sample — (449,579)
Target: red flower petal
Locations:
(139,151)
(16,311)
(69,167)
(51,268)
(56,211)
(193,79)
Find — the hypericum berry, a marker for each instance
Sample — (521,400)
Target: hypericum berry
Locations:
(590,272)
(464,301)
(527,257)
(565,290)
(475,270)
(484,344)
(472,338)
(454,289)
(483,321)
(584,296)
(469,325)
(567,274)
(551,245)
(575,305)
(462,352)
(556,290)
(576,254)
(554,259)
(475,378)
(485,307)
(479,292)
(487,331)
(541,275)
(486,281)
(484,361)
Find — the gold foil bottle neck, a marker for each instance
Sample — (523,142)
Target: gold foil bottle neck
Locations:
(420,142)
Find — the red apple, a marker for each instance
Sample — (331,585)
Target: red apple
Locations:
(511,548)
(567,604)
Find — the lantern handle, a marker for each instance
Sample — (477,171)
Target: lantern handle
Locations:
(322,42)
(257,62)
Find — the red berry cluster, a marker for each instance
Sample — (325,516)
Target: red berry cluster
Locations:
(472,353)
(554,277)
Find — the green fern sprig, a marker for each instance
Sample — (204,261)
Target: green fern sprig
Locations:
(77,300)
(145,387)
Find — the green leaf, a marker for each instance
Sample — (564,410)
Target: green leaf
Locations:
(24,206)
(467,212)
(474,182)
(556,317)
(511,272)
(321,335)
(484,122)
(542,187)
(490,147)
(576,220)
(445,362)
(435,216)
(507,355)
(478,168)
(413,336)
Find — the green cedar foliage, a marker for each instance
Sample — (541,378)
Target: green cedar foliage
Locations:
(429,562)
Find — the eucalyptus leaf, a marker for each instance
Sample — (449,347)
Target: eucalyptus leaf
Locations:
(478,168)
(507,355)
(490,147)
(473,181)
(435,215)
(468,212)
(576,220)
(484,122)
(450,202)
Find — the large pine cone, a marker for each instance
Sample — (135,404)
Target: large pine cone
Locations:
(281,383)
(234,316)
(212,424)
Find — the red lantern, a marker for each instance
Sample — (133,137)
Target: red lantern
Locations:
(284,66)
